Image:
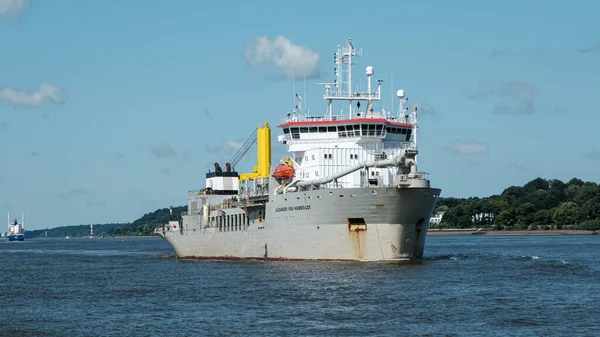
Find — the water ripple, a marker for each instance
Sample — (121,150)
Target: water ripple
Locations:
(465,286)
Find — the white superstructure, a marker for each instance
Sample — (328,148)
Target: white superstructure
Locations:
(351,131)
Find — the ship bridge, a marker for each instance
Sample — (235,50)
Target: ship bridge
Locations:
(346,135)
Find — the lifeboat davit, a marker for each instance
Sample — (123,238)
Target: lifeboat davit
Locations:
(283,172)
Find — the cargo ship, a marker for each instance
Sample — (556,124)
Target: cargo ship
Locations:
(16,231)
(349,188)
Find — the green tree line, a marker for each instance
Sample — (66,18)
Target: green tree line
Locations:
(72,231)
(143,226)
(539,204)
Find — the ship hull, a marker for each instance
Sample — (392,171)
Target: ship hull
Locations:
(16,237)
(356,224)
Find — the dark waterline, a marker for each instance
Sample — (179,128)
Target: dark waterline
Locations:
(466,285)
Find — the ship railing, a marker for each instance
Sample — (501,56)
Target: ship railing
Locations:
(394,146)
(340,117)
(213,226)
(364,134)
(304,118)
(419,176)
(193,212)
(349,138)
(195,192)
(225,205)
(340,134)
(423,175)
(358,94)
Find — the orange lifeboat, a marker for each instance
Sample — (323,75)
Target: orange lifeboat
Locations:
(283,172)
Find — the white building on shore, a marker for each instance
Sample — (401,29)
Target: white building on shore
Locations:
(436,219)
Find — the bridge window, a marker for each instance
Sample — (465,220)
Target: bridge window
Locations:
(331,129)
(322,129)
(286,131)
(313,129)
(371,128)
(304,130)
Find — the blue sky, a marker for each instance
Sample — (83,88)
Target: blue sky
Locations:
(112,109)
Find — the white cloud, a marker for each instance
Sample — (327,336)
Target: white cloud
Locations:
(423,108)
(226,148)
(517,166)
(595,50)
(74,193)
(12,7)
(520,52)
(282,54)
(164,150)
(594,154)
(513,97)
(232,145)
(46,92)
(470,147)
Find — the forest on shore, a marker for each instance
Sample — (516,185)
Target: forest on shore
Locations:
(143,226)
(539,204)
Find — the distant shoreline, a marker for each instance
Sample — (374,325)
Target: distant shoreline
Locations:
(474,231)
(430,232)
(100,237)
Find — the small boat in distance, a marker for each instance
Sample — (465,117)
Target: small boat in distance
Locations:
(16,231)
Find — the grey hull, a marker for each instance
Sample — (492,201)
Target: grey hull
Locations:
(364,224)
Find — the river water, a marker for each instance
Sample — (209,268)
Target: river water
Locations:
(466,285)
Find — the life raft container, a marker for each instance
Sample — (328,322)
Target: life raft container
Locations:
(283,172)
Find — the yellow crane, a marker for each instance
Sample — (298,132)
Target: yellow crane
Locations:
(263,168)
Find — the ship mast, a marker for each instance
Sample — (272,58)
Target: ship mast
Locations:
(342,90)
(415,128)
